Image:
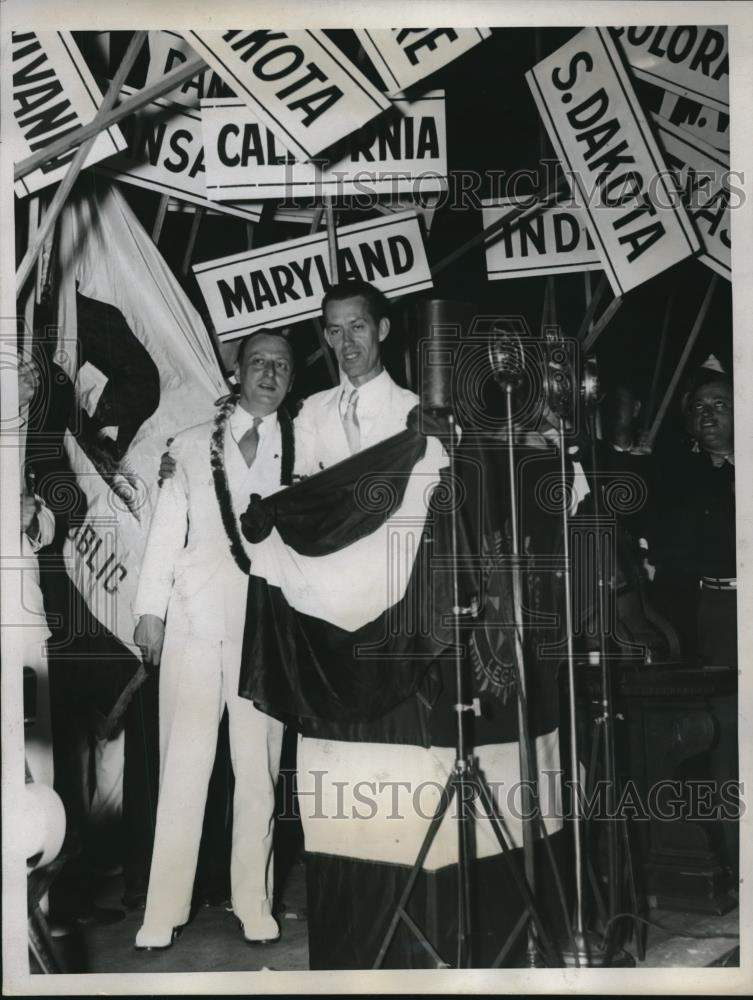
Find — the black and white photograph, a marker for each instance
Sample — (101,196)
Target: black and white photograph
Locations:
(375,556)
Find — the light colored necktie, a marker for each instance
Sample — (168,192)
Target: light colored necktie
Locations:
(249,442)
(351,425)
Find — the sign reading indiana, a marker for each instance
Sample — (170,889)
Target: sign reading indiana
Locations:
(613,163)
(285,282)
(404,152)
(403,56)
(556,241)
(165,153)
(703,178)
(53,94)
(297,82)
(167,51)
(690,60)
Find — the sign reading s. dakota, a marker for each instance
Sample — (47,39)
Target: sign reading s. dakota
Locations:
(556,241)
(53,94)
(403,56)
(614,165)
(165,153)
(297,82)
(690,60)
(284,283)
(403,152)
(167,51)
(703,178)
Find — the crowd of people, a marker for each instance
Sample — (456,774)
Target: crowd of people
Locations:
(190,607)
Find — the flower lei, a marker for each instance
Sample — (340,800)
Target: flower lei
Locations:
(225,408)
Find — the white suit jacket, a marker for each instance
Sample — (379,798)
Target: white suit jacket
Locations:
(320,441)
(188,574)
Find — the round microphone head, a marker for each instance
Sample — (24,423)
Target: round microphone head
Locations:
(507,359)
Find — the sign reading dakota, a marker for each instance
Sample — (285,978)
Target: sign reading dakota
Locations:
(556,241)
(614,165)
(167,50)
(297,82)
(284,283)
(404,152)
(165,153)
(53,94)
(703,179)
(689,60)
(403,56)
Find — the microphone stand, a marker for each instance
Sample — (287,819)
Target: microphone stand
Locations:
(466,783)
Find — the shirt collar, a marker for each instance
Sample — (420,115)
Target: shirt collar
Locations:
(716,459)
(241,421)
(368,391)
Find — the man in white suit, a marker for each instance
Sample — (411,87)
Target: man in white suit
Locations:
(367,406)
(192,597)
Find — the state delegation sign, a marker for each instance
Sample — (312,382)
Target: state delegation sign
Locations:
(703,178)
(556,241)
(690,60)
(404,152)
(708,124)
(165,153)
(403,56)
(297,82)
(53,94)
(167,51)
(284,283)
(613,163)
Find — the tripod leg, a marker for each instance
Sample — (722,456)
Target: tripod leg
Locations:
(444,804)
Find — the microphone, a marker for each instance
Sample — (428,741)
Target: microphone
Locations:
(507,359)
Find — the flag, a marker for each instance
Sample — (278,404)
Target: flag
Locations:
(142,366)
(349,629)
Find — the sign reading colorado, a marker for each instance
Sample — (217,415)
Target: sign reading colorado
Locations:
(285,282)
(403,152)
(613,163)
(297,82)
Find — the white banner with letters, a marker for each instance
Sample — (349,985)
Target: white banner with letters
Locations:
(285,282)
(690,60)
(556,241)
(708,124)
(703,178)
(298,83)
(406,152)
(53,94)
(403,56)
(167,51)
(612,160)
(165,153)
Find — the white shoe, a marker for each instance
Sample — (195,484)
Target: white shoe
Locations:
(263,930)
(148,940)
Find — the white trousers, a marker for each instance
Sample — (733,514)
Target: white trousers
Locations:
(197,679)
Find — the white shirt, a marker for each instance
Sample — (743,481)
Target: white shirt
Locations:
(263,475)
(371,399)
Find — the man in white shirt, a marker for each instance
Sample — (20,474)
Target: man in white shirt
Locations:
(367,406)
(192,598)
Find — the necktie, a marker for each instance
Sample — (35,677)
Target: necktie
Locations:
(249,442)
(350,424)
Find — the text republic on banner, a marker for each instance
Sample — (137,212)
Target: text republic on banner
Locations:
(405,152)
(285,282)
(612,161)
(703,177)
(403,56)
(298,83)
(690,60)
(165,153)
(555,241)
(54,93)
